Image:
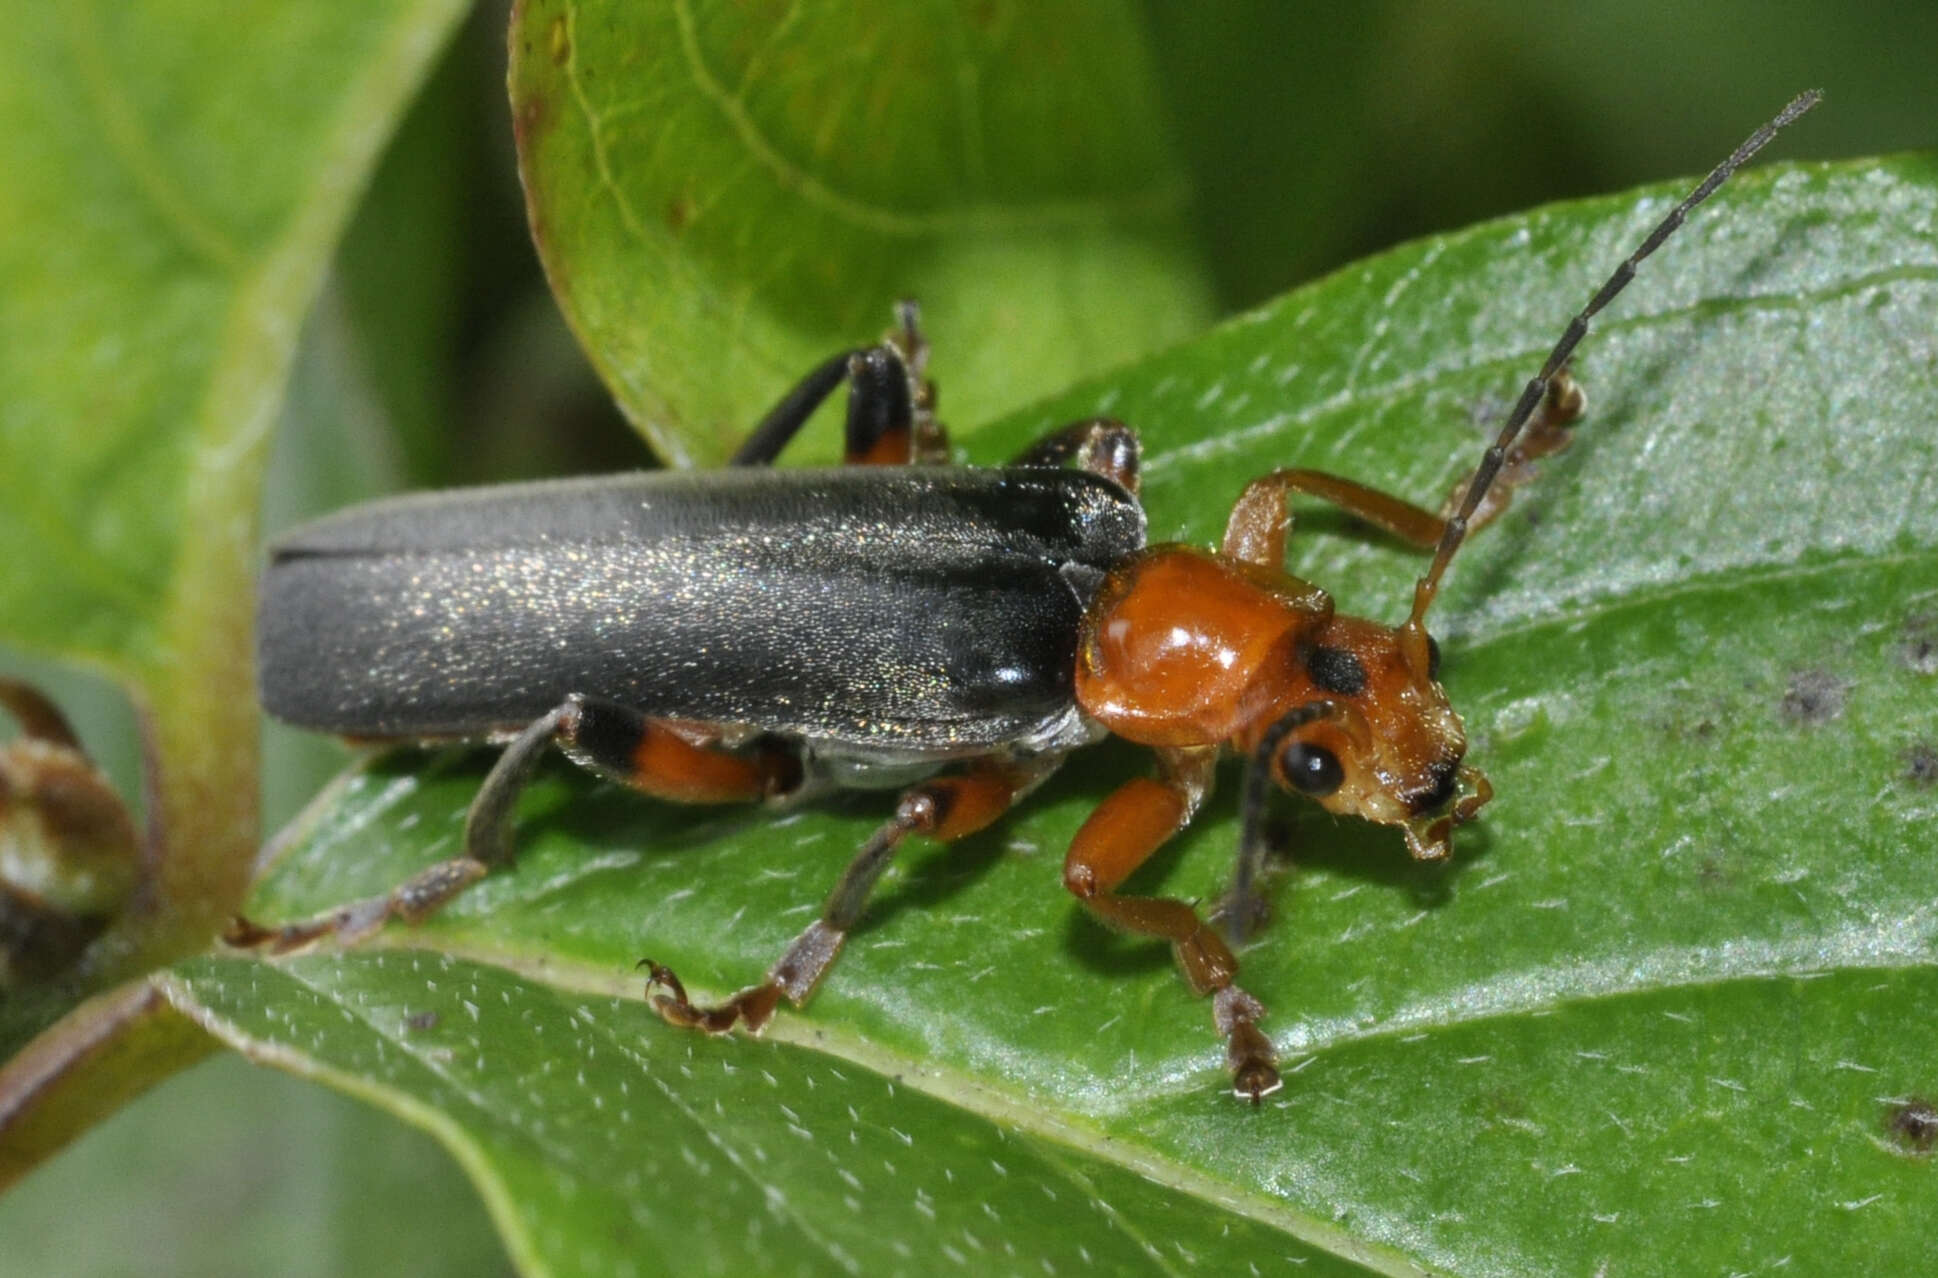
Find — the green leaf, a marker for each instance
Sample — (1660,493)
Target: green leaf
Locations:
(725,193)
(1663,1003)
(597,1138)
(230,1170)
(177,176)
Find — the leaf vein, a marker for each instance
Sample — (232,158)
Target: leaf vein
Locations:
(134,149)
(1159,200)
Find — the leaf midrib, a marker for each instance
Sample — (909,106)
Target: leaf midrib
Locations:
(965,1092)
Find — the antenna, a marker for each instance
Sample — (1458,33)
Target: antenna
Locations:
(1455,530)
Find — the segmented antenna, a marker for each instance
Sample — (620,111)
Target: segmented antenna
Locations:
(1490,464)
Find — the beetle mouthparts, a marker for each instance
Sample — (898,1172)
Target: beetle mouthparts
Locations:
(1429,834)
(1429,837)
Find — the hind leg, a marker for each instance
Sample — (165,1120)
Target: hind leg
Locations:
(620,743)
(891,404)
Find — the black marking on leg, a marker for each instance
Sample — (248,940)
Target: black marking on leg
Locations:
(785,419)
(602,735)
(879,401)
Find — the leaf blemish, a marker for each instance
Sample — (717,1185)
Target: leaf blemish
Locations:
(1919,647)
(1921,764)
(1814,697)
(1914,1125)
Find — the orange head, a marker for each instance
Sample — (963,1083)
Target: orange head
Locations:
(1360,731)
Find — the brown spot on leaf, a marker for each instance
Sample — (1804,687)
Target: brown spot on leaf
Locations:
(1914,1125)
(984,15)
(529,121)
(1918,647)
(1921,764)
(1814,697)
(679,212)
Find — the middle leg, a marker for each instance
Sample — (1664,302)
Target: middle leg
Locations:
(944,808)
(1101,445)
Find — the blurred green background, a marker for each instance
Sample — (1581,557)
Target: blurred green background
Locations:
(1313,134)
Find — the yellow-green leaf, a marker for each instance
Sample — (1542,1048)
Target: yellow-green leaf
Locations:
(723,194)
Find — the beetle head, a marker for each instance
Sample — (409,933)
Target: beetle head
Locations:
(1370,734)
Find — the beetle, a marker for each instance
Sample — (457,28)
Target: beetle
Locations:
(954,632)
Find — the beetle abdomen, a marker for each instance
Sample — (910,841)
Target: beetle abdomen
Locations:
(907,609)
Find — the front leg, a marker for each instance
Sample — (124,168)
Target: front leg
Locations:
(1260,522)
(1134,822)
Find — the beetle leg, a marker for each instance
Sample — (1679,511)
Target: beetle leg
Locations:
(891,401)
(944,809)
(881,409)
(611,739)
(891,406)
(785,419)
(928,439)
(1100,445)
(1130,825)
(1561,407)
(1260,522)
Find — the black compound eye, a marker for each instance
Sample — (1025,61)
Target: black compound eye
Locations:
(1311,769)
(1433,657)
